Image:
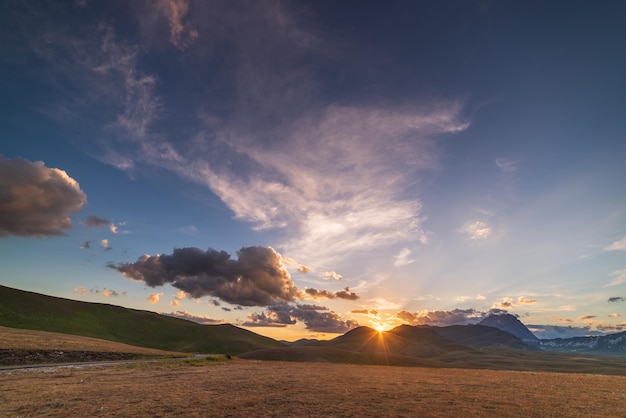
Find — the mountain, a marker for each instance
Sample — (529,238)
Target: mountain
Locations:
(512,325)
(482,336)
(28,310)
(612,344)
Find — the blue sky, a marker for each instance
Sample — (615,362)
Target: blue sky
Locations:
(299,168)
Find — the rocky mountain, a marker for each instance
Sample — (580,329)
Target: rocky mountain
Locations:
(612,344)
(512,325)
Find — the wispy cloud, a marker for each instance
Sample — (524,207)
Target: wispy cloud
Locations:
(200,319)
(507,166)
(403,258)
(617,245)
(620,278)
(103,292)
(476,230)
(181,33)
(508,302)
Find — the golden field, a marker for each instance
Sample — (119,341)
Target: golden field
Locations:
(246,388)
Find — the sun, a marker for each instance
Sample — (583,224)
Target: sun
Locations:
(380,327)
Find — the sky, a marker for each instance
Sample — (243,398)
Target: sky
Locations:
(301,168)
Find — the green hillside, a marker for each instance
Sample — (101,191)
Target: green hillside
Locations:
(28,310)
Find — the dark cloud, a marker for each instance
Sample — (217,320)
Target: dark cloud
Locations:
(86,245)
(314,320)
(36,201)
(93,221)
(365,312)
(325,294)
(616,299)
(205,320)
(256,278)
(587,317)
(312,307)
(445,318)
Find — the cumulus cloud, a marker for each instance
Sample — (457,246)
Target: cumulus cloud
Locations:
(325,294)
(315,318)
(620,278)
(257,278)
(154,298)
(180,295)
(476,230)
(36,201)
(403,258)
(105,244)
(445,318)
(200,319)
(616,299)
(617,245)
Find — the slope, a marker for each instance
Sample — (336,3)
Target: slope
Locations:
(28,310)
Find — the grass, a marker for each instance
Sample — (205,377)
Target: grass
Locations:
(28,310)
(253,388)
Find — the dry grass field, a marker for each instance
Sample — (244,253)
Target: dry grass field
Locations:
(256,388)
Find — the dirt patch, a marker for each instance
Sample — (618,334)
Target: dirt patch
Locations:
(14,357)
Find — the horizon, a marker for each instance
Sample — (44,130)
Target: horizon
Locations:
(301,169)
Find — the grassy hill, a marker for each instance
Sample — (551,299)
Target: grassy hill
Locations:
(28,310)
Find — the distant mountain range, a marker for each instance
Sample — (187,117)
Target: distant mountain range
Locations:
(497,339)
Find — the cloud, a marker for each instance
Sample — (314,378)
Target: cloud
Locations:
(476,230)
(587,317)
(336,177)
(614,315)
(205,320)
(620,278)
(364,312)
(93,221)
(466,298)
(105,292)
(558,331)
(188,230)
(444,318)
(303,269)
(332,275)
(181,32)
(325,294)
(36,201)
(507,166)
(314,317)
(403,258)
(257,278)
(105,244)
(617,245)
(509,302)
(86,245)
(155,298)
(616,299)
(177,298)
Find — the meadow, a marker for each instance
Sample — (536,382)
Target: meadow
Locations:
(195,388)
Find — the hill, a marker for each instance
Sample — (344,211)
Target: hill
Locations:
(28,310)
